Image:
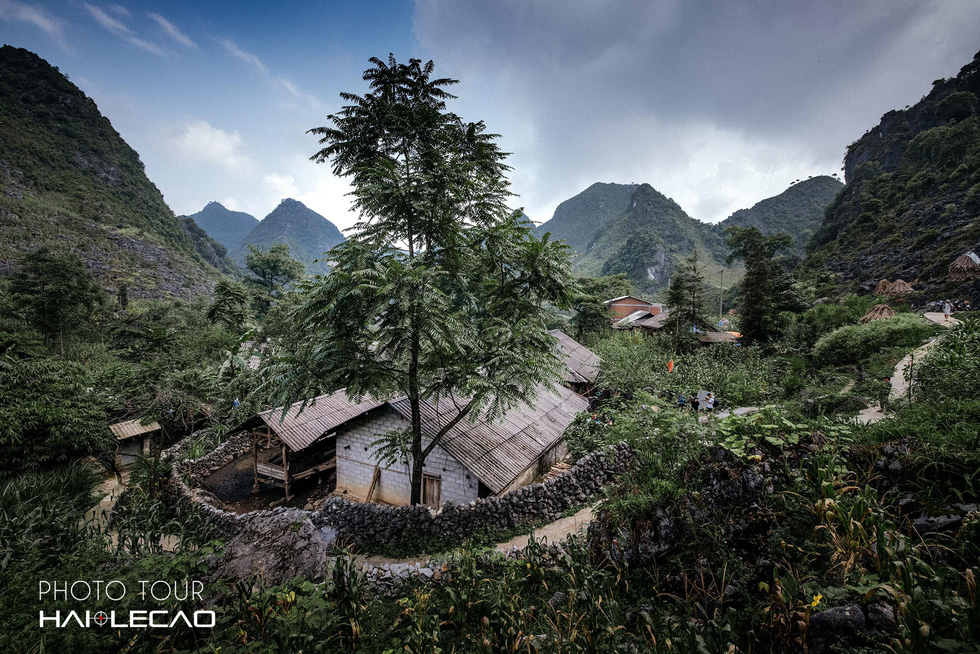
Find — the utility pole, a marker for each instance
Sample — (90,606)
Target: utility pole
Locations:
(721,298)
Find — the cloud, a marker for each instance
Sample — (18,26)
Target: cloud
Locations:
(241,55)
(201,143)
(284,185)
(714,103)
(172,31)
(37,16)
(119,9)
(119,29)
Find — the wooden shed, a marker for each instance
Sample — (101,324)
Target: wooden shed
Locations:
(302,444)
(133,438)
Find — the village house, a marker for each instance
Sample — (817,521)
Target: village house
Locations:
(582,363)
(621,307)
(473,460)
(643,320)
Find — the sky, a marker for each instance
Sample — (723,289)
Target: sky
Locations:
(716,104)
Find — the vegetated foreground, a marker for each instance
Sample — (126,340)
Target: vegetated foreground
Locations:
(790,529)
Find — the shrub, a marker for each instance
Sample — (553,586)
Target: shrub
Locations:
(855,343)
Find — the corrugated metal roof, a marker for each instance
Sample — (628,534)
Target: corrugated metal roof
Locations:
(322,415)
(654,322)
(643,319)
(497,452)
(131,428)
(583,363)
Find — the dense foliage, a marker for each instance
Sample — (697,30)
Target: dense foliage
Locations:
(856,342)
(912,195)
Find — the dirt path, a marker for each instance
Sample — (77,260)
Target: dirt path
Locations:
(109,490)
(555,531)
(940,319)
(899,378)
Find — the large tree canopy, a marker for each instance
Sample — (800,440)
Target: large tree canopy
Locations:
(438,295)
(767,288)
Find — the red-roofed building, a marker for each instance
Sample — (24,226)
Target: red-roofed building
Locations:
(620,307)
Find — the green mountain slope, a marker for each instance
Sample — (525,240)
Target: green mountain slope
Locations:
(798,211)
(224,225)
(648,239)
(308,234)
(634,229)
(912,198)
(67,177)
(579,219)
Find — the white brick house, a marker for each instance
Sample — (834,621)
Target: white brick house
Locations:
(472,460)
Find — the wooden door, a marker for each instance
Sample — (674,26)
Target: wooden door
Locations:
(431,490)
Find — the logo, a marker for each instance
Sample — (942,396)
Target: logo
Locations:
(101,618)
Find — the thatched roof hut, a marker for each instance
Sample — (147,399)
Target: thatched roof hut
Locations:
(899,288)
(882,287)
(965,267)
(878,312)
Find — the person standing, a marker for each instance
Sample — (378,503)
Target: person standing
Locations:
(695,404)
(682,401)
(947,309)
(709,403)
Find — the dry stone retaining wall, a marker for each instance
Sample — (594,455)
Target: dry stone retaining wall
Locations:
(298,541)
(379,524)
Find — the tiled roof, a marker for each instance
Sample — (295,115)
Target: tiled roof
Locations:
(498,451)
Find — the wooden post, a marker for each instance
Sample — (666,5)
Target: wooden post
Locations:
(285,469)
(374,483)
(255,462)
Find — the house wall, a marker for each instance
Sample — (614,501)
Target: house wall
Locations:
(622,308)
(356,459)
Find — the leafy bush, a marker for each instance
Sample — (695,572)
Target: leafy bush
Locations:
(49,415)
(802,331)
(951,369)
(737,375)
(854,343)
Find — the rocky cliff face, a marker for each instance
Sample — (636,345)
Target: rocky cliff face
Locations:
(912,198)
(67,178)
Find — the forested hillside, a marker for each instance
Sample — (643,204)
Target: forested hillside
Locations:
(798,210)
(224,225)
(68,179)
(308,234)
(913,194)
(636,230)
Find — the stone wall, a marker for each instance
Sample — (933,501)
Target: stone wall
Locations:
(280,543)
(380,524)
(185,475)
